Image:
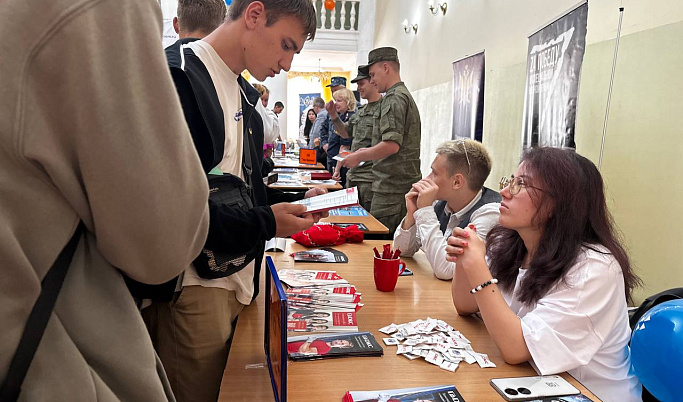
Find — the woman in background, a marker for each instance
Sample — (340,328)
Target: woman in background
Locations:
(345,105)
(310,118)
(552,281)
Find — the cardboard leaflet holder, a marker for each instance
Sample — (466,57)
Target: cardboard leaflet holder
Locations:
(307,156)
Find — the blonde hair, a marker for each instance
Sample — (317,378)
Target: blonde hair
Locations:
(262,89)
(469,158)
(347,95)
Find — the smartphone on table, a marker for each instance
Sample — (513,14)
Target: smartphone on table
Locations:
(530,388)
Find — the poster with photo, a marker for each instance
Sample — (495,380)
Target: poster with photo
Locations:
(554,60)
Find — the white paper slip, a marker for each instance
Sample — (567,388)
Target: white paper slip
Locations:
(389,329)
(434,358)
(469,357)
(411,356)
(411,342)
(333,200)
(450,366)
(390,341)
(483,360)
(401,349)
(442,348)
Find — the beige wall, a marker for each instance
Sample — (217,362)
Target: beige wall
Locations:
(643,155)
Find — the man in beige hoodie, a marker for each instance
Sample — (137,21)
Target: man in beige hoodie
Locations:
(91,130)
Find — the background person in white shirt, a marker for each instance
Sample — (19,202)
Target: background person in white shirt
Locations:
(563,278)
(457,182)
(271,126)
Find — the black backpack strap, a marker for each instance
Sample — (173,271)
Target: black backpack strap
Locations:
(671,294)
(38,319)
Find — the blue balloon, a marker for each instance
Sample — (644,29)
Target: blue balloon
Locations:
(228,2)
(657,350)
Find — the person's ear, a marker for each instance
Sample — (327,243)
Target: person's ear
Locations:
(254,12)
(458,181)
(176,27)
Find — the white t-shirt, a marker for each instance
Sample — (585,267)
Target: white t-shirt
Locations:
(227,88)
(426,233)
(581,327)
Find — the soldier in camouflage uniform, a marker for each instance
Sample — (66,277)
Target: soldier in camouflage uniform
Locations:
(362,127)
(396,150)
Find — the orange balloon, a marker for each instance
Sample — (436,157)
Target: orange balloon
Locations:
(329,4)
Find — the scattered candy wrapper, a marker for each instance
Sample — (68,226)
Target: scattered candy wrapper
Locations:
(436,342)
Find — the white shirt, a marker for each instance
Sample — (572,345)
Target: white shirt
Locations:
(426,233)
(227,88)
(581,326)
(271,125)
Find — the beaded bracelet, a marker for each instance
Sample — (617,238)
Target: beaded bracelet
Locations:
(483,285)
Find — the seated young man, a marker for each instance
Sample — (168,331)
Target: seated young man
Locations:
(457,182)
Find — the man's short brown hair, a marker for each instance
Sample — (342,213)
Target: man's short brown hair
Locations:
(469,158)
(200,15)
(302,10)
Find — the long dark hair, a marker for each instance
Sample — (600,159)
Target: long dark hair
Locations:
(309,124)
(571,195)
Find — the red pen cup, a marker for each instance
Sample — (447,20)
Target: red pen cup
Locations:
(387,273)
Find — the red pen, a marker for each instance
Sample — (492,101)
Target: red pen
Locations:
(376,252)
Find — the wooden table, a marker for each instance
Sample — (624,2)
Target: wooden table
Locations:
(418,296)
(294,163)
(374,226)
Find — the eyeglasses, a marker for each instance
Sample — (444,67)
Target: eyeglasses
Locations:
(515,184)
(464,147)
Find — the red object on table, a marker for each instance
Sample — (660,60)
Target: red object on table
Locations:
(328,235)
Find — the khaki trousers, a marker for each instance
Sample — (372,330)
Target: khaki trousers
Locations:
(192,336)
(389,209)
(364,192)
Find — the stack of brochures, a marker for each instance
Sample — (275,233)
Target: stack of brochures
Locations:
(309,347)
(442,393)
(320,301)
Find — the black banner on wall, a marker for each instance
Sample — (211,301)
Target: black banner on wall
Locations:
(552,82)
(468,97)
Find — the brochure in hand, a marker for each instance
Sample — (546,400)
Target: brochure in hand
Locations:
(304,277)
(309,347)
(325,254)
(335,199)
(309,320)
(442,393)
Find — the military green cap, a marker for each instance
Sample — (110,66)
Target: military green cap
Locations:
(363,73)
(382,54)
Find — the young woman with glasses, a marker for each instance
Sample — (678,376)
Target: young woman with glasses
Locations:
(552,281)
